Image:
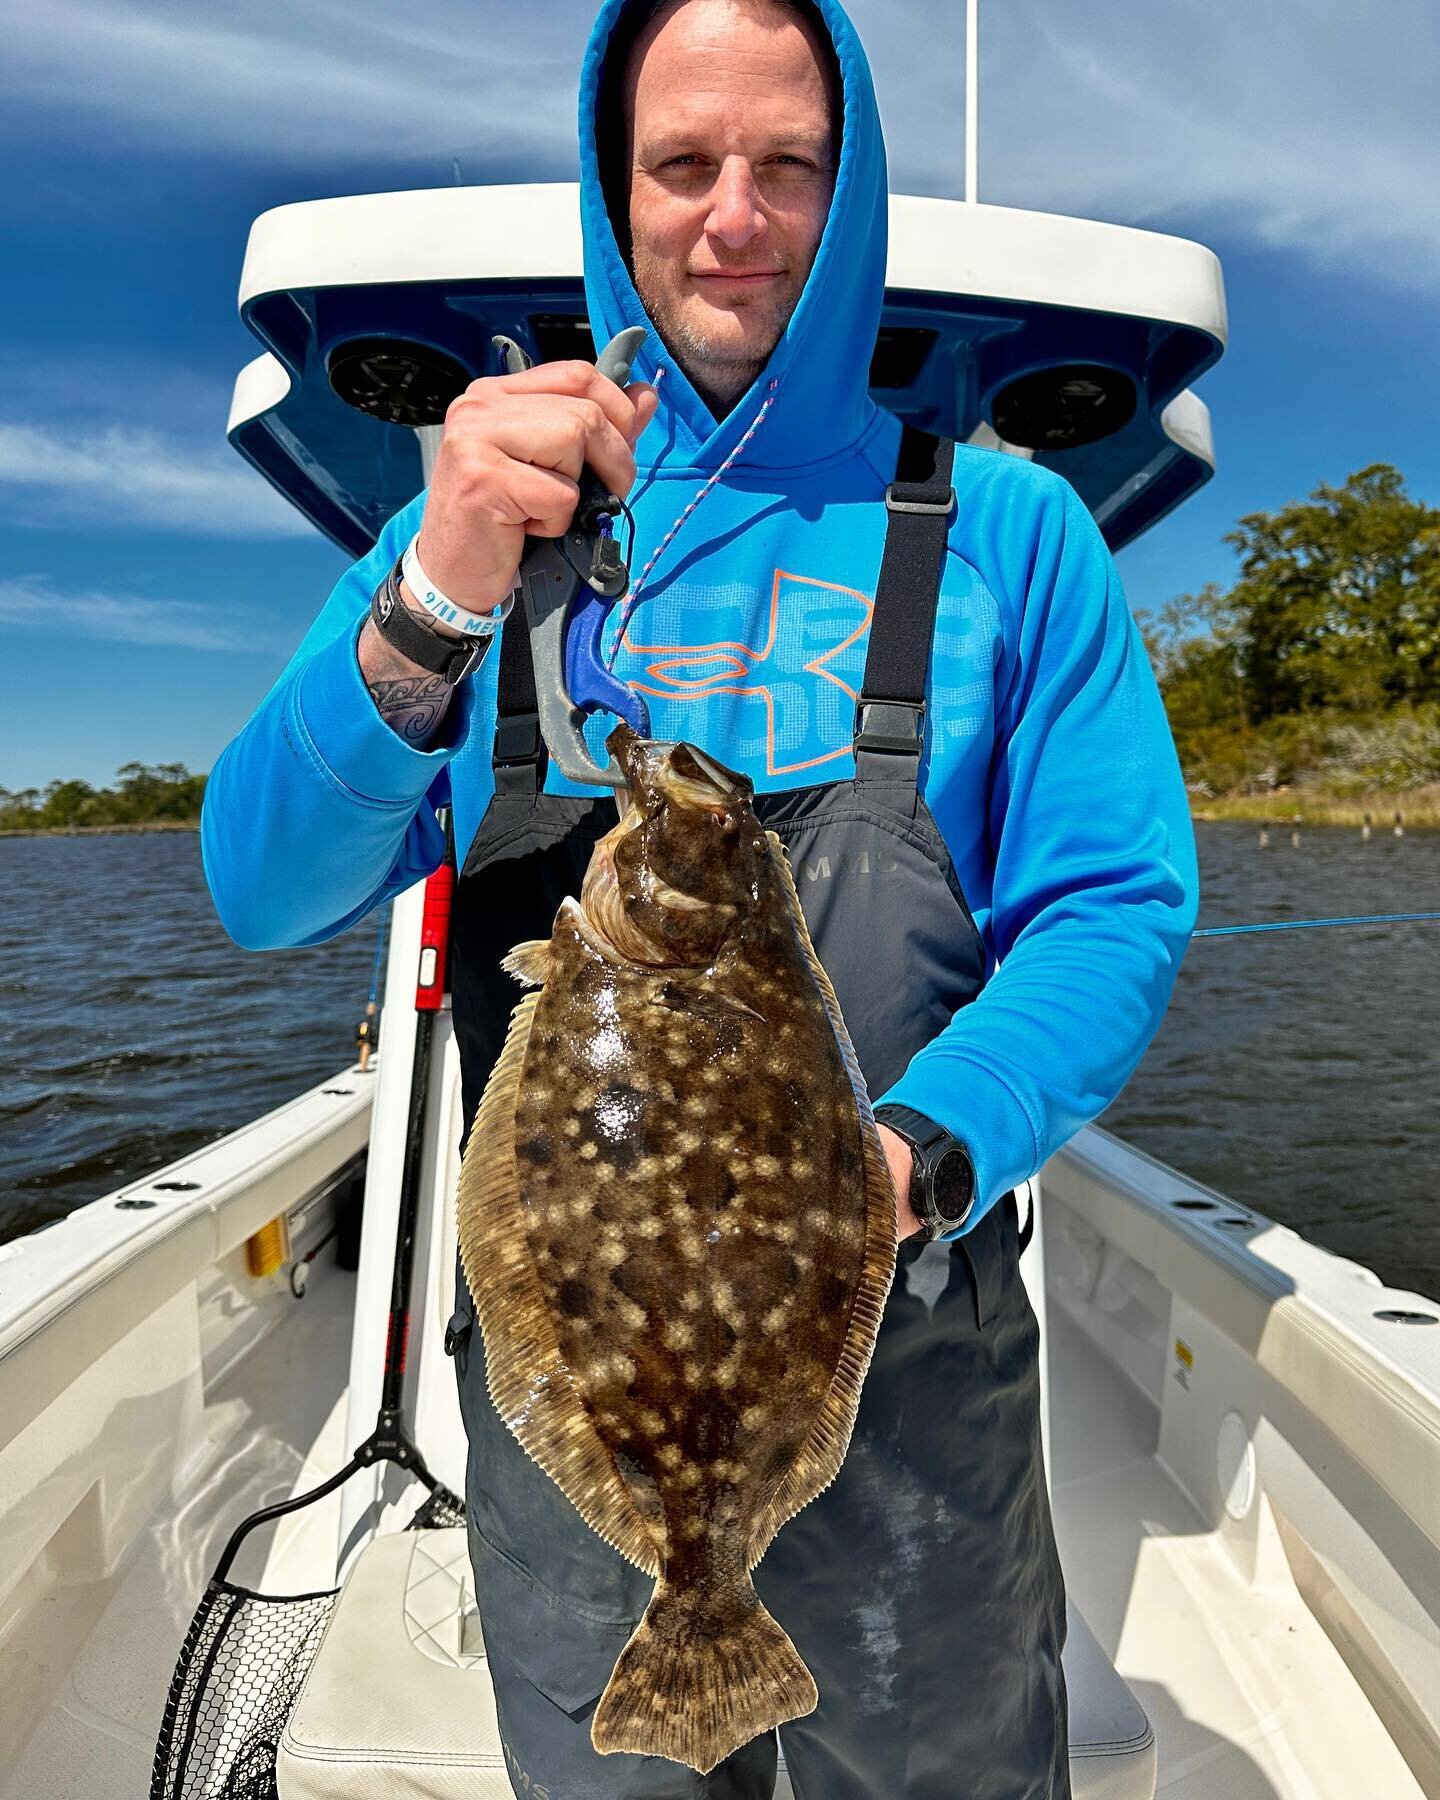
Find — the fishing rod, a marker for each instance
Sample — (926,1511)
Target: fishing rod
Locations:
(390,1441)
(1215,931)
(365,1030)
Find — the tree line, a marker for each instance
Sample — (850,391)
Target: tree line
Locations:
(143,794)
(1320,664)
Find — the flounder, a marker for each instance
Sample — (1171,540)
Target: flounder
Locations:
(678,1226)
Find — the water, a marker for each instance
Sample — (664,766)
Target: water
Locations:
(131,1029)
(1296,1071)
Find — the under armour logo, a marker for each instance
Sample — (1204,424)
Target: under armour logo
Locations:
(800,680)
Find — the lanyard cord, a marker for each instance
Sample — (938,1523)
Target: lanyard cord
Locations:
(632,599)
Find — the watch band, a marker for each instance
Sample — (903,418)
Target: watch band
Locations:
(930,1145)
(416,639)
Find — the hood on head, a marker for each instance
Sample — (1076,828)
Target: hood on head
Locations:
(822,360)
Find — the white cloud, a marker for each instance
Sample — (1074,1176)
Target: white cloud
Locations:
(1308,129)
(150,382)
(31,603)
(118,474)
(269,80)
(1304,129)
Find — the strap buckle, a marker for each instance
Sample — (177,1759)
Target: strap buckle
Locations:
(906,497)
(467,656)
(896,726)
(517,738)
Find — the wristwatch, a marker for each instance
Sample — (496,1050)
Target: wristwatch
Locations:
(414,637)
(942,1176)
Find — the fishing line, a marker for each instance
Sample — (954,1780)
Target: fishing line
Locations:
(1212,931)
(630,539)
(380,924)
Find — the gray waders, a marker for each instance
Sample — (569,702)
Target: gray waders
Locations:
(923,1587)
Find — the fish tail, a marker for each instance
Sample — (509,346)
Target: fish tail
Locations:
(703,1673)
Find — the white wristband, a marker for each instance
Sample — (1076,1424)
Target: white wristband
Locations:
(441,607)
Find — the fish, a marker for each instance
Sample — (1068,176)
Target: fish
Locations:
(678,1227)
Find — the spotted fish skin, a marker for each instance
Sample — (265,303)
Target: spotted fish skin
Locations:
(679,1229)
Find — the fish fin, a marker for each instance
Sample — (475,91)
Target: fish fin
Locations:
(818,1461)
(705,1002)
(529,1381)
(703,1673)
(529,962)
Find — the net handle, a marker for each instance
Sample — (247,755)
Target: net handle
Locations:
(379,1447)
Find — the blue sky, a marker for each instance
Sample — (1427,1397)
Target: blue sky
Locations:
(153,586)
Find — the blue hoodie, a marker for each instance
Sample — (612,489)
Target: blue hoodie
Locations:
(1048,765)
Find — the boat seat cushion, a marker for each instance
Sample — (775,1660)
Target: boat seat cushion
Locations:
(398,1703)
(1112,1745)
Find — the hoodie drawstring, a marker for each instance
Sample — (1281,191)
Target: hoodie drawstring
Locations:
(632,599)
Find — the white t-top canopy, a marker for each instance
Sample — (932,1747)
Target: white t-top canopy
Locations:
(1067,339)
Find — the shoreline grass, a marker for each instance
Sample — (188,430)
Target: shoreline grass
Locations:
(1418,808)
(118,830)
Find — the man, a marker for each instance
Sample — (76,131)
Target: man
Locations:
(993,849)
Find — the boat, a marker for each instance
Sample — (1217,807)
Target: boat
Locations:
(1242,1430)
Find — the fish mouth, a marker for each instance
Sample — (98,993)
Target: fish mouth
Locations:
(680,773)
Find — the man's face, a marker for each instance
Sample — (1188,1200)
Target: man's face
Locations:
(732,170)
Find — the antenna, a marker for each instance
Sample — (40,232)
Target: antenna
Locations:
(972,101)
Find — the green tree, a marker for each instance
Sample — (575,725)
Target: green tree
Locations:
(144,794)
(1338,601)
(1333,621)
(65,803)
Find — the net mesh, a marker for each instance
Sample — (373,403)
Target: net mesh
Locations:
(240,1671)
(442,1510)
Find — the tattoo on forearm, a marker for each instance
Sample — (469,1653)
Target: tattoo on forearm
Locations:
(410,700)
(413,706)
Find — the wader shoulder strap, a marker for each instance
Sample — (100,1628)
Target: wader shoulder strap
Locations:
(519,758)
(890,715)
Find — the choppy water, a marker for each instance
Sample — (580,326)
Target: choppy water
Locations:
(132,1029)
(1296,1071)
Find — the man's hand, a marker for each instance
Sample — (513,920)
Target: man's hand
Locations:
(510,463)
(900,1156)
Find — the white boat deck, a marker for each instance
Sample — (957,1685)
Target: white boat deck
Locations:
(1247,1696)
(107,1648)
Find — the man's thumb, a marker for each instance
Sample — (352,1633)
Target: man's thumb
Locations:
(646,401)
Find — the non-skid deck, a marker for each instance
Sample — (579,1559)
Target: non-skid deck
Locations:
(97,1675)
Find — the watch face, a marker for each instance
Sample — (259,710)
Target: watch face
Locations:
(953,1186)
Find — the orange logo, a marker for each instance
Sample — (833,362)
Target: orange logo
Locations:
(781,673)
